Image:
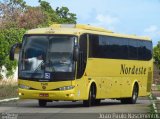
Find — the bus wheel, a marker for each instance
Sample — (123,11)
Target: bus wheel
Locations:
(91,98)
(97,102)
(42,103)
(134,97)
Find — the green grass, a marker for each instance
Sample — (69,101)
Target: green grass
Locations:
(152,111)
(8,90)
(152,97)
(158,87)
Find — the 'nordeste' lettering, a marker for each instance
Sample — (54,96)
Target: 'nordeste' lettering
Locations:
(132,70)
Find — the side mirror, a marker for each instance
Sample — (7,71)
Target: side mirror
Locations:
(13,49)
(76,53)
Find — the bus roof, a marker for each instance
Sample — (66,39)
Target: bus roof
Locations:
(77,29)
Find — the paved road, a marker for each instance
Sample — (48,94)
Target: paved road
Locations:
(65,110)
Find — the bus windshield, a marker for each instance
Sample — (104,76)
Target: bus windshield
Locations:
(46,53)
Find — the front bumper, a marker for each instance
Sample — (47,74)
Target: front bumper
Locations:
(67,95)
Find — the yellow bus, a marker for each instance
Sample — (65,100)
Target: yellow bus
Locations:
(74,62)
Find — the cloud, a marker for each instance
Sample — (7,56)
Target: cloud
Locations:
(154,32)
(152,29)
(105,20)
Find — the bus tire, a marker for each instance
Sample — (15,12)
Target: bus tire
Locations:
(97,102)
(42,103)
(134,97)
(91,97)
(88,103)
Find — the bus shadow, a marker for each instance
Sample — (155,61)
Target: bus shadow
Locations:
(80,105)
(67,104)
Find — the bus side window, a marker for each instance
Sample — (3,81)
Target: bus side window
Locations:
(144,50)
(133,49)
(81,65)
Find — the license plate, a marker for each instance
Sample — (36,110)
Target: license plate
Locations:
(43,95)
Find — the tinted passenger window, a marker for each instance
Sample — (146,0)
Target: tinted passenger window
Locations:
(132,49)
(148,50)
(141,50)
(119,48)
(93,46)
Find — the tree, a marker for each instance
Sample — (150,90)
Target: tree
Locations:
(10,12)
(50,14)
(33,17)
(7,38)
(15,13)
(60,15)
(156,55)
(66,16)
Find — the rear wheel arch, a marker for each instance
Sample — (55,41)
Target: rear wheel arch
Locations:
(133,86)
(137,85)
(134,95)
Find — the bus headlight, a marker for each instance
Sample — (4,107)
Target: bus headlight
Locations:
(24,87)
(66,88)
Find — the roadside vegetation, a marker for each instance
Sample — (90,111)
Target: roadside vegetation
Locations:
(8,89)
(158,87)
(156,54)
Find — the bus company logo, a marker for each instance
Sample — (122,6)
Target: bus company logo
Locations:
(132,70)
(44,85)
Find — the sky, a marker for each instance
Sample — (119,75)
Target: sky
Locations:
(139,17)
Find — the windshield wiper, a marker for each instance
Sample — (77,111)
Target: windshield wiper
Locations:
(37,69)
